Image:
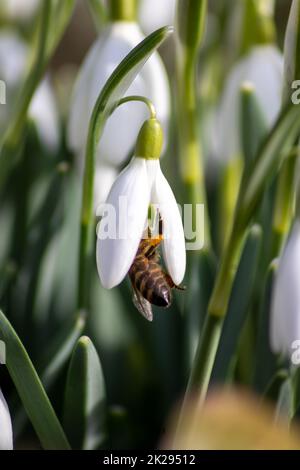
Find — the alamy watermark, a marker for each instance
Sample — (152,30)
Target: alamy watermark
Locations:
(114,223)
(2,352)
(295,356)
(2,92)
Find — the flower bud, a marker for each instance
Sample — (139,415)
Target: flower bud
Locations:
(150,140)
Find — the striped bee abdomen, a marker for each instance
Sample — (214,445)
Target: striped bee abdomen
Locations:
(150,280)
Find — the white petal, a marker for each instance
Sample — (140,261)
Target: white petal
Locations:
(80,111)
(115,255)
(43,111)
(13,52)
(263,67)
(105,176)
(154,14)
(285,308)
(174,242)
(6,438)
(121,129)
(20,9)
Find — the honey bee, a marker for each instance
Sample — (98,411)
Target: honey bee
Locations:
(151,284)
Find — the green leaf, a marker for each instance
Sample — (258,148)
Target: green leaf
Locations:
(31,391)
(99,13)
(253,123)
(285,403)
(191,17)
(115,87)
(238,306)
(85,399)
(57,354)
(273,389)
(61,349)
(266,362)
(269,158)
(199,279)
(61,14)
(257,23)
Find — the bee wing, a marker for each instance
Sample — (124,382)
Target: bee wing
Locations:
(143,306)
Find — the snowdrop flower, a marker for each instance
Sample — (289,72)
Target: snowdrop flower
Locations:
(6,438)
(263,67)
(13,62)
(140,184)
(285,307)
(291,47)
(118,138)
(21,10)
(154,14)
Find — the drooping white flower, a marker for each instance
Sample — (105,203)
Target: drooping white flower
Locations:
(285,307)
(42,110)
(19,10)
(263,67)
(291,47)
(154,14)
(118,138)
(6,436)
(140,184)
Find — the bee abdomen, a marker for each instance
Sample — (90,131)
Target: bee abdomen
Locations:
(154,289)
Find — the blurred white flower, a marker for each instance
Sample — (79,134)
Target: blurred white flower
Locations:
(13,63)
(285,307)
(21,10)
(6,437)
(119,135)
(154,14)
(263,67)
(291,47)
(141,184)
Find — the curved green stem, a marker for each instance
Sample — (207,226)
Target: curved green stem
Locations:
(191,22)
(142,99)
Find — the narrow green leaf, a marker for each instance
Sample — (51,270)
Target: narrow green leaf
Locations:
(273,389)
(285,403)
(253,123)
(199,279)
(238,306)
(191,18)
(269,158)
(258,25)
(266,361)
(50,365)
(99,13)
(31,391)
(61,14)
(61,349)
(85,398)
